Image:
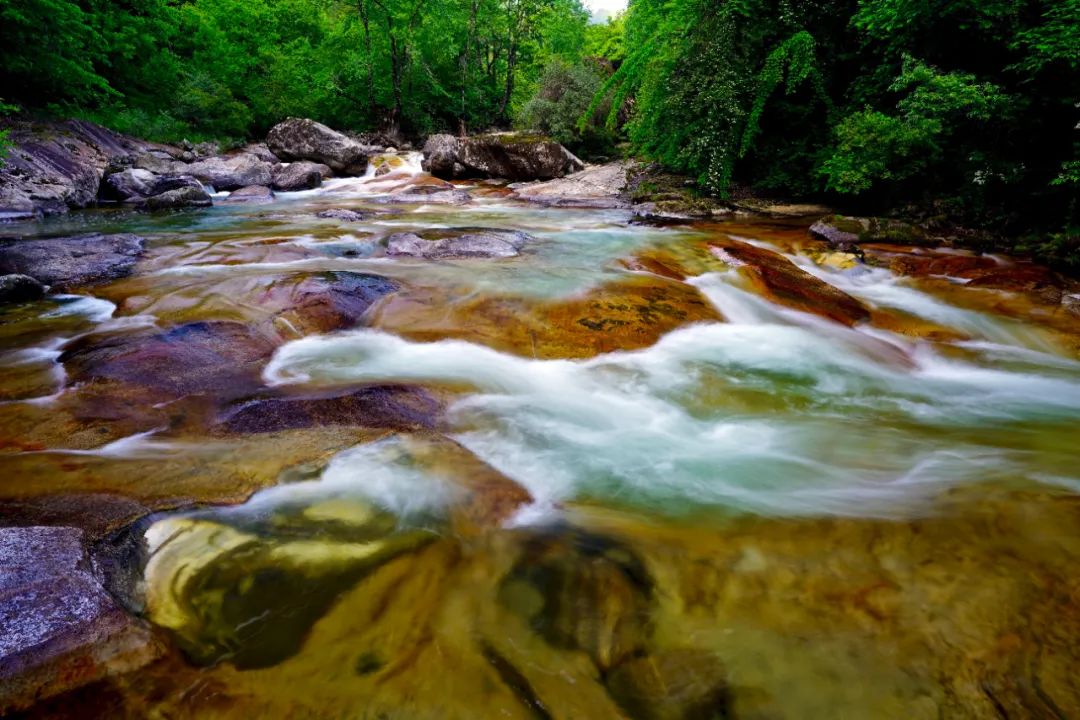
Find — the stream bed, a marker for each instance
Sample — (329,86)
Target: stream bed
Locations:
(714,470)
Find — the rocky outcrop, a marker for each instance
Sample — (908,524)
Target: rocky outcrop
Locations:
(135,185)
(597,186)
(499,155)
(55,167)
(59,628)
(252,194)
(70,261)
(303,139)
(428,194)
(468,244)
(19,288)
(231,173)
(301,175)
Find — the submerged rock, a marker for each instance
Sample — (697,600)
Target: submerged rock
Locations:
(479,243)
(221,358)
(59,628)
(334,300)
(19,288)
(301,175)
(428,194)
(513,156)
(583,592)
(70,261)
(303,139)
(399,407)
(672,685)
(253,194)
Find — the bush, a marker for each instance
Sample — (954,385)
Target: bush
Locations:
(563,100)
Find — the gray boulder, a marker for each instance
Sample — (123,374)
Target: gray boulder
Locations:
(303,139)
(19,288)
(428,195)
(343,214)
(129,185)
(59,628)
(300,175)
(499,155)
(479,243)
(231,173)
(185,196)
(69,261)
(254,194)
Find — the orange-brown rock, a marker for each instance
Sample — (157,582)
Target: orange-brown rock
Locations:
(627,314)
(781,281)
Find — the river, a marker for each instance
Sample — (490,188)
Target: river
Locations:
(625,473)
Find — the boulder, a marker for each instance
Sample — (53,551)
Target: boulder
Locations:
(158,162)
(220,358)
(133,185)
(334,300)
(59,628)
(69,261)
(501,155)
(343,214)
(17,288)
(475,243)
(673,685)
(254,194)
(54,167)
(193,195)
(598,186)
(262,152)
(301,175)
(303,139)
(399,407)
(231,173)
(843,232)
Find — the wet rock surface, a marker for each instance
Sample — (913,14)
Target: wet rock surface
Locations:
(596,186)
(478,242)
(223,358)
(231,172)
(252,194)
(59,628)
(303,139)
(301,175)
(71,261)
(191,195)
(841,231)
(16,288)
(382,406)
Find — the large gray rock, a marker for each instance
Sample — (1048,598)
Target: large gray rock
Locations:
(253,194)
(70,261)
(19,288)
(498,155)
(231,173)
(480,243)
(185,196)
(303,139)
(428,195)
(59,628)
(54,167)
(300,175)
(598,186)
(133,185)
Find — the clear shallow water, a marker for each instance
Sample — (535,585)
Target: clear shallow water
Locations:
(638,481)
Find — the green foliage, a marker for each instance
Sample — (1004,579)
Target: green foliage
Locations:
(5,142)
(169,69)
(563,96)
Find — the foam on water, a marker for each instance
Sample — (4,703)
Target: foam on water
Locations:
(854,423)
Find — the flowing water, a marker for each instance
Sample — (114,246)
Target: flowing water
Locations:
(632,480)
